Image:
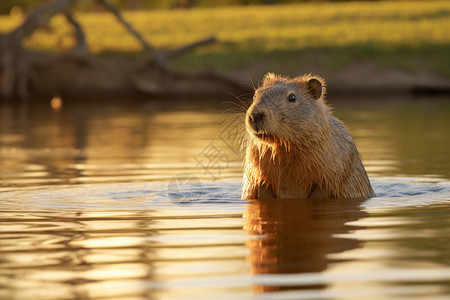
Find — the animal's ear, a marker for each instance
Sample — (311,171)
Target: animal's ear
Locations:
(316,87)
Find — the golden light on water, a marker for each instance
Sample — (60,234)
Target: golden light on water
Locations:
(86,211)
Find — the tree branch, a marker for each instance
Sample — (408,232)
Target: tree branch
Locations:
(182,50)
(39,16)
(79,34)
(157,56)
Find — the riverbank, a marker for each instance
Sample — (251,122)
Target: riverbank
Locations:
(359,47)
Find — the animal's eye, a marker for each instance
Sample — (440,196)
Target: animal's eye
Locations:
(292,98)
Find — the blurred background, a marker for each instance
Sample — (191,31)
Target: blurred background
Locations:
(358,46)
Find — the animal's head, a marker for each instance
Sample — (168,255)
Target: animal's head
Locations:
(288,110)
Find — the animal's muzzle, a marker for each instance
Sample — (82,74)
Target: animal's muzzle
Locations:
(255,120)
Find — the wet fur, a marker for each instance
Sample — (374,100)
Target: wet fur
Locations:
(307,153)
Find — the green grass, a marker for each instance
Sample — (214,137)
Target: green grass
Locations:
(407,34)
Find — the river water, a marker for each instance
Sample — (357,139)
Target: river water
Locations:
(142,201)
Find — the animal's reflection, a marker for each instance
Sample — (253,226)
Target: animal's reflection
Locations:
(295,236)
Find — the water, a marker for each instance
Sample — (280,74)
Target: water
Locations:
(125,202)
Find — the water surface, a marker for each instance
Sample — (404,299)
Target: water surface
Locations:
(142,201)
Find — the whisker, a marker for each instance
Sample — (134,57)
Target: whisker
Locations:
(244,108)
(244,104)
(234,129)
(251,80)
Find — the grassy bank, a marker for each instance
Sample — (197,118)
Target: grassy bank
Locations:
(409,35)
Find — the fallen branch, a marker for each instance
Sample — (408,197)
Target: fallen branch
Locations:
(81,47)
(157,56)
(40,16)
(78,74)
(187,48)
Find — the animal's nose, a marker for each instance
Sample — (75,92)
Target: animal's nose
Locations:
(257,117)
(255,120)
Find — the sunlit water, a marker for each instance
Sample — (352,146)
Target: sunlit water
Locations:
(143,201)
